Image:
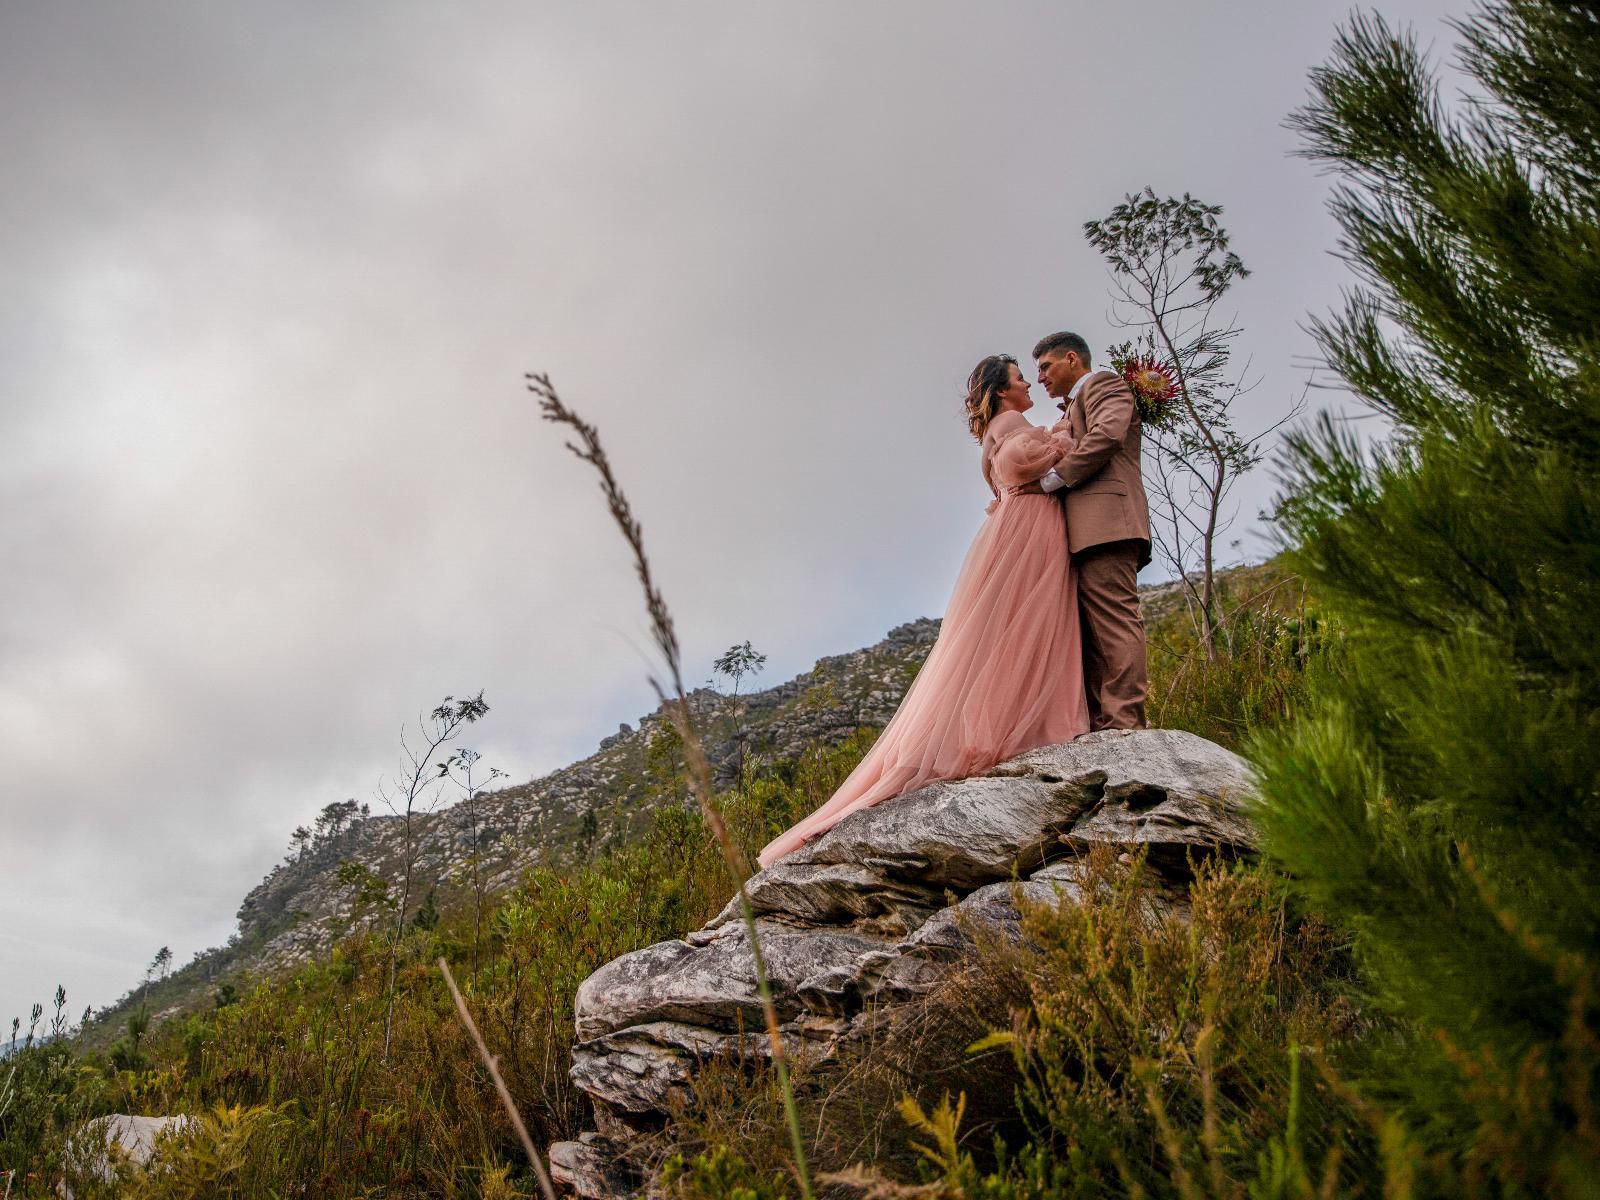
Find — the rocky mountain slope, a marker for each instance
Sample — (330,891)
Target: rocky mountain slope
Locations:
(304,906)
(315,898)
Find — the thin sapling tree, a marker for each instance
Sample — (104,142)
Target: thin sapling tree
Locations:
(464,770)
(1170,264)
(413,793)
(739,663)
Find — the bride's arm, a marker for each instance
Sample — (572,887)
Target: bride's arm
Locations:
(1023,454)
(1065,443)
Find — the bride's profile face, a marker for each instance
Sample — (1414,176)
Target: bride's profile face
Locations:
(1014,396)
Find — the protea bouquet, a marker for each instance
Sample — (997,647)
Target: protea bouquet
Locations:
(1155,386)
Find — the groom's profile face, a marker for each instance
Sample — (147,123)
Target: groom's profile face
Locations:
(1058,371)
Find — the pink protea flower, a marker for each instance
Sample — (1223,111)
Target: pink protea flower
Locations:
(1154,384)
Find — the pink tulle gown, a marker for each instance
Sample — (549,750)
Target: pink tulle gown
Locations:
(1006,674)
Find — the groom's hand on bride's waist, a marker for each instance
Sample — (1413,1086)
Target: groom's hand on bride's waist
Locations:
(1027,489)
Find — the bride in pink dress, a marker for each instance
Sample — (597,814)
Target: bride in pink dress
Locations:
(1006,674)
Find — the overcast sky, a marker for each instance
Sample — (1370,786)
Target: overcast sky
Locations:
(272,273)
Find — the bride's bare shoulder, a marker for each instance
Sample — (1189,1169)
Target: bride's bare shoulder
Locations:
(1005,424)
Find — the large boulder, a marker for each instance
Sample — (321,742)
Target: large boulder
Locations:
(103,1143)
(861,919)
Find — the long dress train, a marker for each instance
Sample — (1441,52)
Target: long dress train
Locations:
(1006,673)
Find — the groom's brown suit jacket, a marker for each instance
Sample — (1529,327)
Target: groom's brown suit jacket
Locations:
(1105,487)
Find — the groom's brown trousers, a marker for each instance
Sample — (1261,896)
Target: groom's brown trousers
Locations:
(1112,628)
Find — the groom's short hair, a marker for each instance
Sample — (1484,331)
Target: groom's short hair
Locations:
(1063,341)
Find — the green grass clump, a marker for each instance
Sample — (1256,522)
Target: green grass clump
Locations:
(1262,669)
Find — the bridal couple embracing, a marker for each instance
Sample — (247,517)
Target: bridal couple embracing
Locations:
(1043,640)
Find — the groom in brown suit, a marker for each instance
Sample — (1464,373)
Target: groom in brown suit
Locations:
(1108,524)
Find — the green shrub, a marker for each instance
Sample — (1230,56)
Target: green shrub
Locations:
(1439,798)
(1272,649)
(1144,1047)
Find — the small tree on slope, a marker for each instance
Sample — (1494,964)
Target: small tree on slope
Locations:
(1441,800)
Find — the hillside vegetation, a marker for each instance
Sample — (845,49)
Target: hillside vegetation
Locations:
(288,1064)
(336,882)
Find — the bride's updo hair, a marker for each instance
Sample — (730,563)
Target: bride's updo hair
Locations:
(988,379)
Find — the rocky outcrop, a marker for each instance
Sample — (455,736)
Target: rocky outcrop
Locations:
(105,1142)
(305,906)
(307,903)
(859,921)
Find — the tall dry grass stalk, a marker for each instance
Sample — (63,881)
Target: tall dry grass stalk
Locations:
(490,1062)
(675,699)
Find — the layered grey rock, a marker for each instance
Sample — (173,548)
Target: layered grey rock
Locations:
(586,1166)
(861,920)
(714,983)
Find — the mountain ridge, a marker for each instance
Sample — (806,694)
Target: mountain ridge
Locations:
(308,903)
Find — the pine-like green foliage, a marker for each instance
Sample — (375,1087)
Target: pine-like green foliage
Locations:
(1441,800)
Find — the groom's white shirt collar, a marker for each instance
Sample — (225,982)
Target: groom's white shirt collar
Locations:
(1085,377)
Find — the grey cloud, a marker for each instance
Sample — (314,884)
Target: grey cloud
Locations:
(273,273)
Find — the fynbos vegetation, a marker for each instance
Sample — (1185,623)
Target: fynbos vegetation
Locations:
(1438,801)
(310,1106)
